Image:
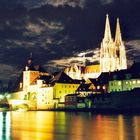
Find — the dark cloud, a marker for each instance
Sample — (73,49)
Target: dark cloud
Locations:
(31,4)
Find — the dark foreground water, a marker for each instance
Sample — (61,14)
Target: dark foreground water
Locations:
(43,125)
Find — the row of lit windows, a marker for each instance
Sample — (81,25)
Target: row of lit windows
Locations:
(69,86)
(99,87)
(127,82)
(115,83)
(65,91)
(133,82)
(116,90)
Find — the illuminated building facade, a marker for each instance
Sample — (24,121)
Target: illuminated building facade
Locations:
(36,87)
(83,72)
(112,53)
(125,80)
(64,85)
(45,98)
(74,71)
(112,56)
(91,71)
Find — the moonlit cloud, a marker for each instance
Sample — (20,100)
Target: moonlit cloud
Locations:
(133,51)
(20,43)
(34,28)
(135,44)
(41,26)
(52,25)
(73,3)
(30,4)
(78,58)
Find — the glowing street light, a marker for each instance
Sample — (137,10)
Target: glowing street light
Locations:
(1,96)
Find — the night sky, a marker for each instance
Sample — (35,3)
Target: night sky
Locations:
(57,31)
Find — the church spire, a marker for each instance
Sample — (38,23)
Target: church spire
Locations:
(120,48)
(112,54)
(107,33)
(118,37)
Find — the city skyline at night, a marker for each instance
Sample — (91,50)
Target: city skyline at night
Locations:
(69,69)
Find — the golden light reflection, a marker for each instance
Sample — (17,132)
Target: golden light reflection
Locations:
(136,124)
(33,125)
(121,127)
(47,125)
(78,129)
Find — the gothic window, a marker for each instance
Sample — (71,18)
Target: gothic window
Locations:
(104,87)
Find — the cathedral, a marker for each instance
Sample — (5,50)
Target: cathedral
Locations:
(112,52)
(112,56)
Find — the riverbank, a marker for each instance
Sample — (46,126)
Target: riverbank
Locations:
(95,111)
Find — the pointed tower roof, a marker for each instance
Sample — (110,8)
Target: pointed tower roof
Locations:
(107,33)
(30,65)
(118,37)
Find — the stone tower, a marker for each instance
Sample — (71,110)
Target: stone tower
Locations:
(107,49)
(121,62)
(30,74)
(112,53)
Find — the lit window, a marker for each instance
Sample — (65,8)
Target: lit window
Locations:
(119,83)
(98,87)
(103,87)
(138,81)
(126,82)
(21,85)
(134,82)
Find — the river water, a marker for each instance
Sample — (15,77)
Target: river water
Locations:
(47,125)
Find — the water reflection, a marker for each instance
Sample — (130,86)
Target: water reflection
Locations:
(44,125)
(5,126)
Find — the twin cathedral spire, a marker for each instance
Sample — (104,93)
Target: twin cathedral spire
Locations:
(112,53)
